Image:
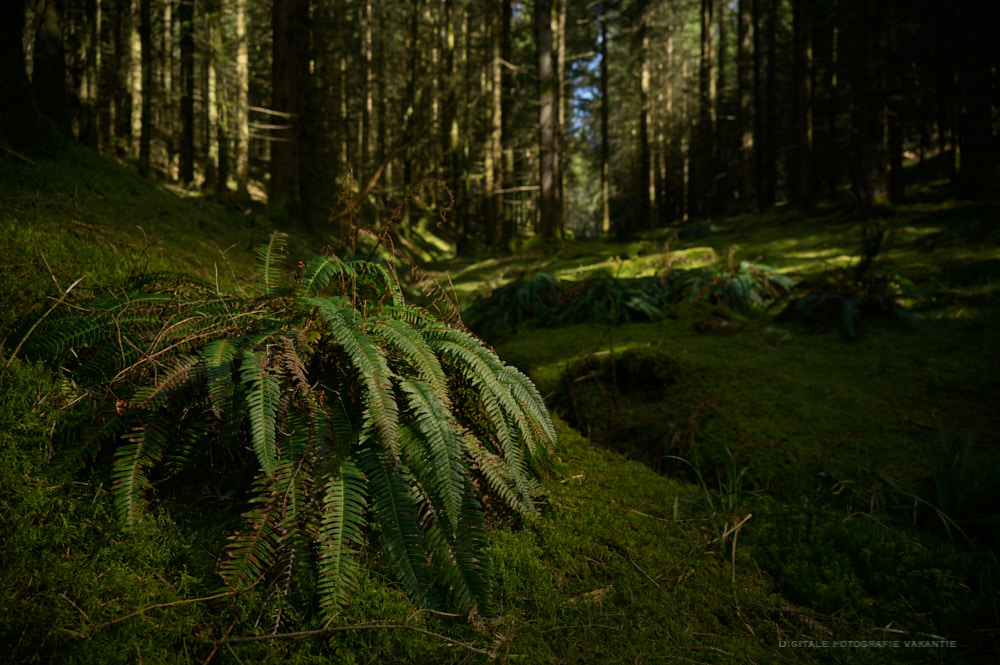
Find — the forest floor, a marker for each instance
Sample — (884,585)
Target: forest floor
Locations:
(825,489)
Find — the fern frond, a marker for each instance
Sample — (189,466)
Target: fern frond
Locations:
(318,273)
(379,278)
(183,371)
(263,391)
(144,448)
(253,551)
(271,256)
(531,401)
(412,346)
(498,476)
(340,534)
(496,399)
(217,357)
(293,365)
(382,411)
(440,446)
(463,561)
(397,513)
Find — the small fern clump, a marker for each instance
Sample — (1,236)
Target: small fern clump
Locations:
(548,301)
(362,418)
(740,287)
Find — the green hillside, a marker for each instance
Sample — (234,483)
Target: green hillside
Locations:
(809,479)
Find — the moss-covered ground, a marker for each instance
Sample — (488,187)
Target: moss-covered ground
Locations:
(742,491)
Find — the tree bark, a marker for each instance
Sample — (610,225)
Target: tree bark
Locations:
(146,45)
(509,225)
(975,121)
(241,111)
(647,181)
(701,141)
(185,15)
(720,153)
(605,138)
(894,107)
(560,29)
(868,179)
(770,161)
(283,188)
(802,20)
(759,109)
(48,79)
(550,216)
(367,103)
(744,94)
(493,157)
(18,112)
(122,63)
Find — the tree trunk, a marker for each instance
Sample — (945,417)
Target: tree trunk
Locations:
(701,140)
(48,79)
(186,17)
(123,66)
(145,42)
(720,153)
(770,162)
(560,29)
(550,217)
(894,108)
(166,118)
(744,112)
(868,136)
(18,112)
(509,226)
(88,89)
(802,20)
(241,111)
(832,152)
(410,105)
(218,51)
(975,123)
(283,189)
(605,139)
(759,109)
(493,156)
(647,193)
(367,104)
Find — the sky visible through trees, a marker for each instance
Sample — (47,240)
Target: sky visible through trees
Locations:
(552,117)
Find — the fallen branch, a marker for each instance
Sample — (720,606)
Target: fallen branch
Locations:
(35,324)
(629,555)
(341,629)
(162,605)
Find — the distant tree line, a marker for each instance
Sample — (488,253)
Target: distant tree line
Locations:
(541,117)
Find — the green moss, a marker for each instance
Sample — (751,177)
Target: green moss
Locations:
(848,443)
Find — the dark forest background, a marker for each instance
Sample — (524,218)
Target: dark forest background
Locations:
(549,117)
(771,368)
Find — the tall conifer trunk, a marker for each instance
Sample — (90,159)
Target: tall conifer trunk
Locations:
(744,94)
(186,18)
(605,139)
(18,112)
(146,45)
(549,214)
(283,190)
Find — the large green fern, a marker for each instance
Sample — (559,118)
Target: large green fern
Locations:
(362,420)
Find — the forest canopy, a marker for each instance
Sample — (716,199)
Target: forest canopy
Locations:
(549,117)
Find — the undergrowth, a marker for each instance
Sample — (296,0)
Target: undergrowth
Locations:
(357,416)
(549,302)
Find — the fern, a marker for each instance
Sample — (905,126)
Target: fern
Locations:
(340,534)
(367,425)
(271,256)
(262,405)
